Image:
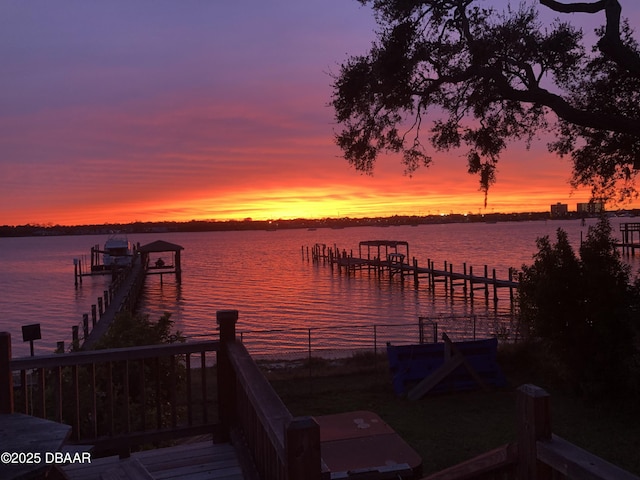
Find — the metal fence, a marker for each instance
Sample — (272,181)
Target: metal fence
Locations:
(344,341)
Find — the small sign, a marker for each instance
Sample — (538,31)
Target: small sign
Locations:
(31,332)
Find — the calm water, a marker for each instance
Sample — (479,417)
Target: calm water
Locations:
(263,275)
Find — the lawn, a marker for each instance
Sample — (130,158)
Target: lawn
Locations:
(449,428)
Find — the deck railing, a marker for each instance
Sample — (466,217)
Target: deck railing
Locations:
(537,453)
(116,398)
(283,447)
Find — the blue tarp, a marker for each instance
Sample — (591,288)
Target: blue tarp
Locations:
(409,364)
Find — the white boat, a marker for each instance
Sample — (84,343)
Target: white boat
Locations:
(117,252)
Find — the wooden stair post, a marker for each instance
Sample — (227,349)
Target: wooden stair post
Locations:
(302,445)
(226,320)
(534,424)
(6,376)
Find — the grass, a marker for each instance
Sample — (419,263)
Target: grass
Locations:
(448,429)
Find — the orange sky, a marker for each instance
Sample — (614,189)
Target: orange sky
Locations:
(110,113)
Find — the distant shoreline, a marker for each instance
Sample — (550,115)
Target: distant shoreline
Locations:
(300,223)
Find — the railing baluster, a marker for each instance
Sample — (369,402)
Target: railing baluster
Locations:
(143,396)
(110,408)
(174,388)
(58,378)
(158,402)
(127,399)
(189,397)
(75,423)
(23,387)
(203,385)
(94,393)
(41,388)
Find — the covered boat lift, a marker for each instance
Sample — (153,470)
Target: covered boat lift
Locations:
(161,266)
(390,248)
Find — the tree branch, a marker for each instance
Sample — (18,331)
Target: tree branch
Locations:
(584,7)
(610,44)
(563,109)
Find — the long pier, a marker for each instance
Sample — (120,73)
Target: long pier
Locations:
(392,257)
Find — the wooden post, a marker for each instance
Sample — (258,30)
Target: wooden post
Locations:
(227,320)
(464,271)
(446,285)
(511,297)
(486,283)
(451,278)
(534,424)
(85,325)
(6,376)
(94,314)
(416,278)
(302,446)
(178,267)
(75,342)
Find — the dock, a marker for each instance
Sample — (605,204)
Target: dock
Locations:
(391,257)
(629,243)
(125,287)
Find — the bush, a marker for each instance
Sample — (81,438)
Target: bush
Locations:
(583,310)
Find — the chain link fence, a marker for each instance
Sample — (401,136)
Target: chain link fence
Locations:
(339,342)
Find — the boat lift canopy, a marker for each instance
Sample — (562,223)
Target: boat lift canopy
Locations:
(390,246)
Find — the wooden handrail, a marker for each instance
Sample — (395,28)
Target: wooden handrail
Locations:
(272,414)
(282,447)
(113,355)
(537,453)
(501,459)
(59,394)
(574,462)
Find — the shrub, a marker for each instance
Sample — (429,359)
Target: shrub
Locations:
(582,309)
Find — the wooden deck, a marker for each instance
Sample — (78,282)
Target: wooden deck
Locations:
(196,461)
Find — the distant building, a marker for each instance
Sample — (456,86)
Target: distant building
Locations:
(559,209)
(590,207)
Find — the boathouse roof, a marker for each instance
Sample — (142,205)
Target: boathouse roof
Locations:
(160,246)
(384,243)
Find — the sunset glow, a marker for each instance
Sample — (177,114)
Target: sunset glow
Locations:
(112,113)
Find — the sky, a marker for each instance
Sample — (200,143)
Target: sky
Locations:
(153,110)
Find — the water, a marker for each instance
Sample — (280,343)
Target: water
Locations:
(263,275)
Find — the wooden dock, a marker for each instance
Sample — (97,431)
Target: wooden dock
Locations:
(125,288)
(391,257)
(629,242)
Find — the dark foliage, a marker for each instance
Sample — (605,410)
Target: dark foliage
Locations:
(583,311)
(488,77)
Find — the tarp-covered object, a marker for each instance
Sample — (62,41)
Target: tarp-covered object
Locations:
(410,364)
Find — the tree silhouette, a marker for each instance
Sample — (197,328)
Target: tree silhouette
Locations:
(584,309)
(488,77)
